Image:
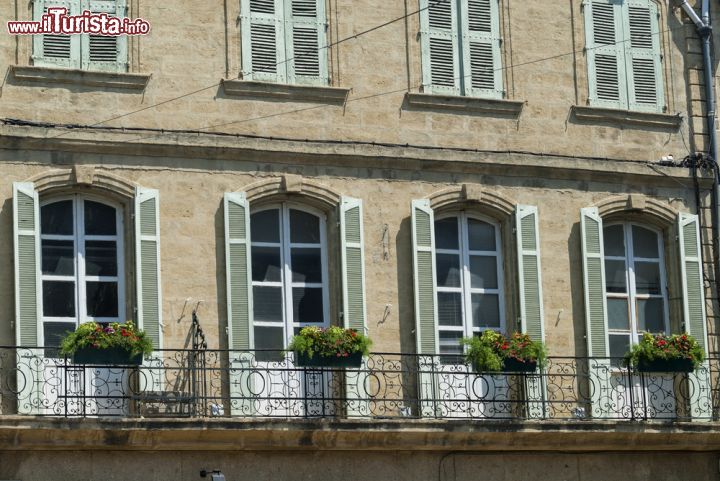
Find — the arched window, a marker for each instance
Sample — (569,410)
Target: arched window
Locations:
(82,267)
(635,285)
(468,259)
(288,253)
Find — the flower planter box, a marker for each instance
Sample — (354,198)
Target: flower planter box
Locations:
(513,365)
(665,365)
(353,360)
(113,355)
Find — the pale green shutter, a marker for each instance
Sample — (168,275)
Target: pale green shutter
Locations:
(26,213)
(306,42)
(263,40)
(147,256)
(424,277)
(237,268)
(604,53)
(56,50)
(692,279)
(481,62)
(354,310)
(642,56)
(530,279)
(594,282)
(440,47)
(100,52)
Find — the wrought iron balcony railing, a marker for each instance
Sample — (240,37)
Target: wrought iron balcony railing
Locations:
(216,383)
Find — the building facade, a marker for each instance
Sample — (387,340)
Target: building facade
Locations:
(421,171)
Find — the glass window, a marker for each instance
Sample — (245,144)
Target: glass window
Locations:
(469,279)
(634,285)
(289,275)
(81,266)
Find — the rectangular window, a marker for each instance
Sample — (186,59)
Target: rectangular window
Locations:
(284,41)
(86,52)
(461,47)
(624,55)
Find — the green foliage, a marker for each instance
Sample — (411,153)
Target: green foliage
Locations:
(488,352)
(331,342)
(659,346)
(103,336)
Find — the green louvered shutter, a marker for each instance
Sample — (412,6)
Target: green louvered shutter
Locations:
(147,253)
(104,52)
(424,276)
(237,267)
(26,213)
(642,56)
(263,40)
(692,280)
(306,42)
(481,64)
(530,279)
(594,282)
(440,47)
(604,53)
(56,50)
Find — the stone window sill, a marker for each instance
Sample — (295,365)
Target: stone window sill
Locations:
(505,108)
(119,80)
(291,93)
(627,117)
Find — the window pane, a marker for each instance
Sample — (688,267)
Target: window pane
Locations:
(614,240)
(58,299)
(651,315)
(647,277)
(618,317)
(265,264)
(619,345)
(645,242)
(99,219)
(57,218)
(101,299)
(446,233)
(481,235)
(265,226)
(55,332)
(450,344)
(304,227)
(483,272)
(306,265)
(58,257)
(615,276)
(307,304)
(485,310)
(448,270)
(449,309)
(269,337)
(267,303)
(101,258)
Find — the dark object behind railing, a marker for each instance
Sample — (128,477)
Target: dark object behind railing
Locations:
(201,382)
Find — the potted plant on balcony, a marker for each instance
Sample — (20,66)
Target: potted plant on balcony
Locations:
(493,352)
(329,347)
(107,343)
(661,353)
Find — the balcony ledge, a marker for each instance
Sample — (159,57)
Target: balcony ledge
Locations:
(118,80)
(291,93)
(31,433)
(459,104)
(627,117)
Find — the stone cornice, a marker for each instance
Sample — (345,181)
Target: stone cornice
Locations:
(49,75)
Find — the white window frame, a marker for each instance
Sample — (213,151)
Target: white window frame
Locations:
(465,289)
(286,272)
(80,278)
(632,296)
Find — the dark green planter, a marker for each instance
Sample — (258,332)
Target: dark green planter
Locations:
(663,365)
(353,360)
(114,355)
(513,365)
